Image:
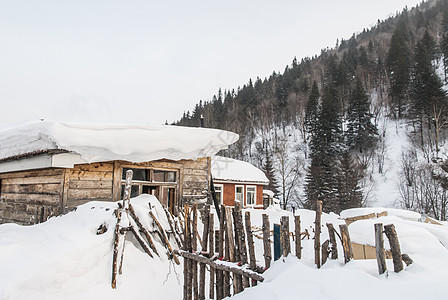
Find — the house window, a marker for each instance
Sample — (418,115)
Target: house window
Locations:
(239,193)
(251,193)
(218,192)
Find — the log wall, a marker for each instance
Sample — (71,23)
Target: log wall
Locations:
(30,197)
(88,182)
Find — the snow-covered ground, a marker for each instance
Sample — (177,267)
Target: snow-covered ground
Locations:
(64,258)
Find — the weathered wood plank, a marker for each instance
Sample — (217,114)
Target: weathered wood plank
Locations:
(43,199)
(33,180)
(78,194)
(334,246)
(34,173)
(90,184)
(74,203)
(89,175)
(95,167)
(196,172)
(195,178)
(40,188)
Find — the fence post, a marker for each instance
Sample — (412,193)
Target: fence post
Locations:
(317,225)
(334,246)
(346,244)
(267,241)
(277,242)
(298,237)
(284,223)
(379,247)
(394,247)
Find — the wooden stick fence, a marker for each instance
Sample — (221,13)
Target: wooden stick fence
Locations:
(229,253)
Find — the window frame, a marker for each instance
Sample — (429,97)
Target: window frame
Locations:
(221,192)
(242,193)
(254,193)
(150,175)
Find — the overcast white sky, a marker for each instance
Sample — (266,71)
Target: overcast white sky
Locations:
(147,61)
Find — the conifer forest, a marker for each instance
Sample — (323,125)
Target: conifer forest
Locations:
(318,128)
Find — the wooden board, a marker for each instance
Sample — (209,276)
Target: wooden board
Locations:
(362,251)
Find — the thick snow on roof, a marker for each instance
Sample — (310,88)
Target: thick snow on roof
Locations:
(118,142)
(229,169)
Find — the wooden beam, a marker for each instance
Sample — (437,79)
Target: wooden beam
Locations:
(219,265)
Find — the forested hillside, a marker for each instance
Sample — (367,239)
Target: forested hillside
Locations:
(320,129)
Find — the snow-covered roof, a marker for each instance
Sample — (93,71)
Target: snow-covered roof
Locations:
(96,143)
(228,169)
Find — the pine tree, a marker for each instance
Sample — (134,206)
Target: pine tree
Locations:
(444,42)
(398,65)
(312,109)
(360,132)
(349,193)
(326,145)
(268,169)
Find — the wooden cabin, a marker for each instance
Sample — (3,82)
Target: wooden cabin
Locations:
(47,169)
(238,180)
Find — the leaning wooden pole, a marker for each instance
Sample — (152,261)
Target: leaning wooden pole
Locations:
(116,251)
(317,225)
(379,247)
(394,247)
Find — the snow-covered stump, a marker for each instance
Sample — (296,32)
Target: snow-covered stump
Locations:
(379,247)
(391,234)
(346,244)
(267,242)
(298,241)
(317,225)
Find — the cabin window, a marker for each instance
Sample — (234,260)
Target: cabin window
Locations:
(239,194)
(160,183)
(251,192)
(218,192)
(164,176)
